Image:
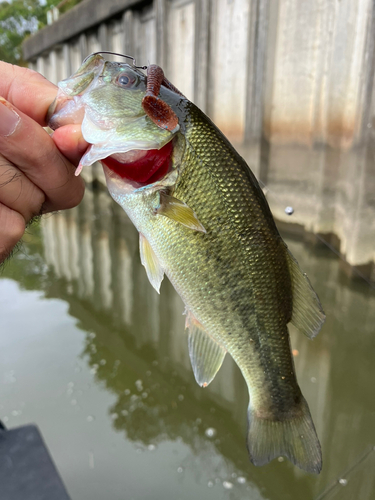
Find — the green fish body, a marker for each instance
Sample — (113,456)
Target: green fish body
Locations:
(207,226)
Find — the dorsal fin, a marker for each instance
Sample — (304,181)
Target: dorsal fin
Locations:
(308,315)
(206,355)
(154,271)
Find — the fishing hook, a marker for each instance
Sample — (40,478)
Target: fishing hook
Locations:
(116,54)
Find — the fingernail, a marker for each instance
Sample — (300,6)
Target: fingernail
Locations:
(8,119)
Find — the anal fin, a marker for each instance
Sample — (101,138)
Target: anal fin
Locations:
(154,271)
(308,315)
(206,355)
(178,211)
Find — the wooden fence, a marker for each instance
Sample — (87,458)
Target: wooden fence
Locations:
(290,82)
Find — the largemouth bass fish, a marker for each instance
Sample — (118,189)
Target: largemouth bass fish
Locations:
(204,222)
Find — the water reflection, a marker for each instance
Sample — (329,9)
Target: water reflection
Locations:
(136,348)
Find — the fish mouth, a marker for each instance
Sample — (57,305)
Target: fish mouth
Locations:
(65,110)
(141,166)
(133,158)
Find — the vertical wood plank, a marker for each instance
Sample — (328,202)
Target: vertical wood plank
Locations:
(160,7)
(103,37)
(53,77)
(256,66)
(83,46)
(66,57)
(128,28)
(201,55)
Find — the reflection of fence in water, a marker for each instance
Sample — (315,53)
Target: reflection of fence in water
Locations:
(94,248)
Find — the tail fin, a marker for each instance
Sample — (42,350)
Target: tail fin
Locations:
(294,438)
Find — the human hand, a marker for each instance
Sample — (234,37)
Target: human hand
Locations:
(36,171)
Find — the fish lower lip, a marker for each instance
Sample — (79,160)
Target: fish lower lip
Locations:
(64,111)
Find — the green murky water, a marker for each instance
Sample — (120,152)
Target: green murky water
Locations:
(99,361)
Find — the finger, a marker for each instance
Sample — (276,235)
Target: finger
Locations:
(18,193)
(27,90)
(70,142)
(12,227)
(32,150)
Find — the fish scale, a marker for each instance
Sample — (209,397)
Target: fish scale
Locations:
(206,224)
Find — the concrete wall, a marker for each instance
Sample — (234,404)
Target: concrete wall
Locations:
(290,82)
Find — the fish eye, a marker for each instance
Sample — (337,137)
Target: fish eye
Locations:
(124,80)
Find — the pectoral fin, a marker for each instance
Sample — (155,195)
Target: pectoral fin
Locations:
(179,212)
(154,271)
(308,315)
(206,355)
